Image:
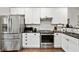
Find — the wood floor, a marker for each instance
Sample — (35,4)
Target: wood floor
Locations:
(42,50)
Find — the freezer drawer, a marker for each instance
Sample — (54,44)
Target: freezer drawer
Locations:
(11,45)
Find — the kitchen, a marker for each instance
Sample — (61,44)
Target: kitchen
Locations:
(39,29)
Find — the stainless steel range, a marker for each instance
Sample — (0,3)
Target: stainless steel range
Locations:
(47,39)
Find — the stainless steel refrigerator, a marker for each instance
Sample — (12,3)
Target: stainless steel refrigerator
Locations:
(12,27)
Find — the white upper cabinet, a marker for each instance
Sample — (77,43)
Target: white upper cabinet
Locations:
(36,15)
(60,16)
(32,15)
(43,12)
(18,11)
(28,16)
(47,12)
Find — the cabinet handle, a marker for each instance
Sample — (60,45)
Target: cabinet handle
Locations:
(25,34)
(26,43)
(26,40)
(67,39)
(26,37)
(34,34)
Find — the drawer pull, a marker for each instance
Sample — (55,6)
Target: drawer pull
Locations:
(26,43)
(34,34)
(25,34)
(26,40)
(67,39)
(25,37)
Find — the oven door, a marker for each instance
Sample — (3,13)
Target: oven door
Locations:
(47,38)
(47,41)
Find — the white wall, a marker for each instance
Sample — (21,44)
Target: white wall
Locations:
(73,14)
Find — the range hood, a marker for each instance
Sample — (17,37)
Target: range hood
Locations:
(46,18)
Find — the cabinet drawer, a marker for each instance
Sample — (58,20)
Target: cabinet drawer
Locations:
(24,37)
(25,45)
(24,40)
(24,34)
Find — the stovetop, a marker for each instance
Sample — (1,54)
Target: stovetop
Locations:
(46,32)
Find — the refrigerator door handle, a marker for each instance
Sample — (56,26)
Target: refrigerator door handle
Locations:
(10,24)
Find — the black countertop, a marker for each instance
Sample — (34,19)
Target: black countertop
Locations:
(70,34)
(42,32)
(51,32)
(46,32)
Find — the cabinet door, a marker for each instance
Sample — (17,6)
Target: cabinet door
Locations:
(72,47)
(59,16)
(16,11)
(65,42)
(57,40)
(36,15)
(73,44)
(30,40)
(28,16)
(43,12)
(65,45)
(34,40)
(49,12)
(32,16)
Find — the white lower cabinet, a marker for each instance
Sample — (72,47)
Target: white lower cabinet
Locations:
(73,44)
(70,44)
(65,45)
(57,40)
(31,40)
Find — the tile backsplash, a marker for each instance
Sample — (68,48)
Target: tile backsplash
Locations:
(72,30)
(44,25)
